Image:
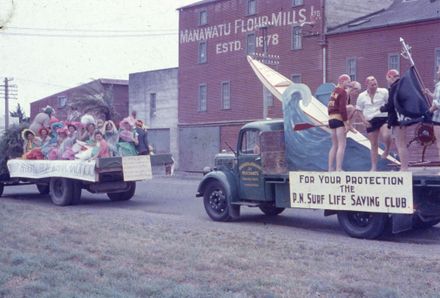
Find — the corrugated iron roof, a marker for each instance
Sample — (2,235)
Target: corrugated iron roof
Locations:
(400,12)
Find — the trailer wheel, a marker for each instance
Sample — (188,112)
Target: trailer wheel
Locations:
(418,224)
(271,210)
(125,195)
(1,188)
(43,188)
(215,202)
(61,191)
(362,224)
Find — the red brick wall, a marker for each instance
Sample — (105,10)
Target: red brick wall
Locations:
(246,90)
(229,134)
(371,48)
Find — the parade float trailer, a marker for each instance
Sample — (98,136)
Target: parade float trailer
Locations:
(277,166)
(64,179)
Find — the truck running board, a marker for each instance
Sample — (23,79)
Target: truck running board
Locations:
(246,203)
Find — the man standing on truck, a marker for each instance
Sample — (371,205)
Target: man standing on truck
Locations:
(369,103)
(338,123)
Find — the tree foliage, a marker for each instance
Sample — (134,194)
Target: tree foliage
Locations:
(20,114)
(11,146)
(94,99)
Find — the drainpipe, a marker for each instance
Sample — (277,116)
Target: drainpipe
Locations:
(323,42)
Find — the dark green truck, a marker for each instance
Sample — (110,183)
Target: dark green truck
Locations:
(256,175)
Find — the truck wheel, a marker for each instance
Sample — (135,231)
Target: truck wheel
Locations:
(216,202)
(43,188)
(1,188)
(271,210)
(125,195)
(76,195)
(418,224)
(362,224)
(61,191)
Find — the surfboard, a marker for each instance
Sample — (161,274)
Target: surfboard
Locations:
(276,83)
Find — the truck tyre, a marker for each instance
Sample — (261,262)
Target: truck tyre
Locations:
(125,195)
(2,186)
(363,224)
(418,224)
(43,188)
(76,195)
(215,202)
(61,191)
(271,210)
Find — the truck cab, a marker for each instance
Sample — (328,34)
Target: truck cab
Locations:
(242,178)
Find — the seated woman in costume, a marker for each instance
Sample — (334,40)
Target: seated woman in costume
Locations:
(127,139)
(111,136)
(101,148)
(31,146)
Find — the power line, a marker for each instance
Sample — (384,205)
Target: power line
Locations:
(90,35)
(92,30)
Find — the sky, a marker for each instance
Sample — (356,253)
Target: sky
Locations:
(48,46)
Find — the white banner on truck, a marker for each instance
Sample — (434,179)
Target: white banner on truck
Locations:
(137,168)
(384,192)
(35,169)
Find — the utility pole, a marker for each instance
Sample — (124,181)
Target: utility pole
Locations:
(7,94)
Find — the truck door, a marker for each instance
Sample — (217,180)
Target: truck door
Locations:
(249,166)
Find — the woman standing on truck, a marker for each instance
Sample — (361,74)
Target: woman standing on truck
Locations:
(338,123)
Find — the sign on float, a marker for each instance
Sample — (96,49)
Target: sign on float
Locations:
(384,192)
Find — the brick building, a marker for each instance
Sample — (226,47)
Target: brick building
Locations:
(309,41)
(114,92)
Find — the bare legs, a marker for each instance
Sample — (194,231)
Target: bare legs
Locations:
(373,136)
(337,150)
(400,133)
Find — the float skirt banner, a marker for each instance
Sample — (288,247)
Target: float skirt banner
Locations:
(35,169)
(383,192)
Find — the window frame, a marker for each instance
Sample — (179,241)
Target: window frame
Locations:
(153,104)
(353,76)
(203,20)
(249,7)
(202,57)
(296,35)
(248,35)
(296,75)
(295,4)
(223,97)
(62,101)
(202,105)
(390,56)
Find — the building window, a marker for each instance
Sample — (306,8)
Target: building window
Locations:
(251,7)
(352,68)
(152,105)
(202,52)
(394,61)
(62,100)
(268,97)
(202,107)
(296,38)
(203,17)
(437,58)
(297,78)
(251,43)
(297,2)
(226,95)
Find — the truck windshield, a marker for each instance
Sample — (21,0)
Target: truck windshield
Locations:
(250,143)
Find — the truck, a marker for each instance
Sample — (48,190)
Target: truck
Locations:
(260,178)
(279,164)
(64,180)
